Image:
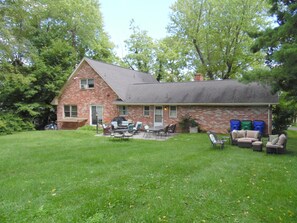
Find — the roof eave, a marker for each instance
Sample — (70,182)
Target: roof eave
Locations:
(200,104)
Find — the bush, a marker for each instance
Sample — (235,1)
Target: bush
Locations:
(10,123)
(282,118)
(87,128)
(186,122)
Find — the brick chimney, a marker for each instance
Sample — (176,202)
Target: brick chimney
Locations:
(198,77)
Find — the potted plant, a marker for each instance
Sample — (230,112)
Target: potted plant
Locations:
(188,124)
(193,128)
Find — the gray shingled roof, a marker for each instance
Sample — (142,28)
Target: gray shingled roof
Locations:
(203,92)
(135,87)
(119,78)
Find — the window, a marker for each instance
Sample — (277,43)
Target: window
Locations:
(146,110)
(86,83)
(172,112)
(70,111)
(123,110)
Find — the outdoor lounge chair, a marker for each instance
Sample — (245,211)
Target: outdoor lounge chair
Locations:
(215,140)
(276,144)
(125,135)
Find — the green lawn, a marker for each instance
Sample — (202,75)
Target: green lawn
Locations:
(73,176)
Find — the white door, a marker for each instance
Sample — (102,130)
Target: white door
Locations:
(158,119)
(96,114)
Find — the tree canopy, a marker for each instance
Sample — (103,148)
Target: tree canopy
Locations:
(140,49)
(280,45)
(218,33)
(41,41)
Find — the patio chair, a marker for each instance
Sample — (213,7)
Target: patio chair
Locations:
(117,135)
(124,135)
(106,129)
(131,128)
(276,144)
(147,133)
(114,125)
(137,127)
(214,139)
(172,128)
(127,135)
(164,132)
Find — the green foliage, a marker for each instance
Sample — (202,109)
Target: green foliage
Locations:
(10,123)
(88,128)
(280,45)
(140,49)
(186,122)
(40,44)
(166,58)
(283,114)
(217,32)
(282,118)
(73,176)
(171,63)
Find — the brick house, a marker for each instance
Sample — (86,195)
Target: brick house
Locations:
(97,89)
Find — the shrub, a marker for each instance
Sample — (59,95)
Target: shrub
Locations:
(186,122)
(282,118)
(87,128)
(10,123)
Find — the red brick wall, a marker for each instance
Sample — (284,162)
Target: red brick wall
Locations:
(218,118)
(102,94)
(209,118)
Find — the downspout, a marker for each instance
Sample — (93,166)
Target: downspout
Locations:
(269,120)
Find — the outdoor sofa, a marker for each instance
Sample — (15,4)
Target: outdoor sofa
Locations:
(245,138)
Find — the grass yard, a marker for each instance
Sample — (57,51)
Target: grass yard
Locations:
(73,176)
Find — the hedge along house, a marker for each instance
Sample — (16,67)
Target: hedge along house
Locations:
(99,90)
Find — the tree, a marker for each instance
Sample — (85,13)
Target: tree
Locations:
(171,60)
(166,59)
(217,32)
(140,49)
(283,114)
(280,45)
(41,41)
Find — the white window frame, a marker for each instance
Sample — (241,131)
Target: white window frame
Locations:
(87,84)
(123,110)
(170,112)
(145,110)
(70,111)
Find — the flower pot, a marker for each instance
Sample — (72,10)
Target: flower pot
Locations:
(193,129)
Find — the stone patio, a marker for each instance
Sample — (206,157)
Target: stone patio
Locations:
(146,136)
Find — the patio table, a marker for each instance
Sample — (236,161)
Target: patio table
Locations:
(153,131)
(121,130)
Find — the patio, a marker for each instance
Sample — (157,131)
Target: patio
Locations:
(145,136)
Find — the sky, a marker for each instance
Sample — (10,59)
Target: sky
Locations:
(149,15)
